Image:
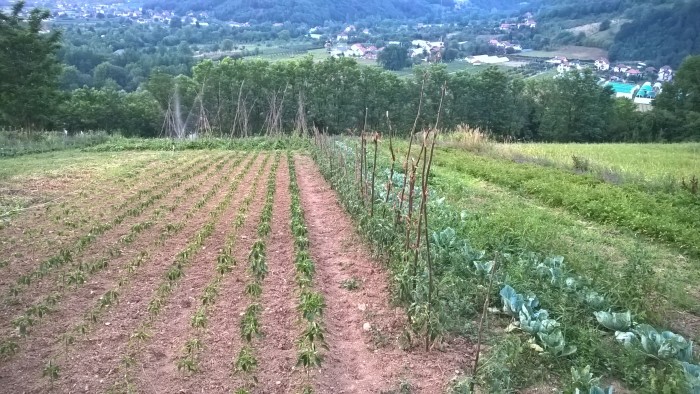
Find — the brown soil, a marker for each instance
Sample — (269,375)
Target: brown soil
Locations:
(276,352)
(362,361)
(26,250)
(358,361)
(110,239)
(222,339)
(63,208)
(92,359)
(158,359)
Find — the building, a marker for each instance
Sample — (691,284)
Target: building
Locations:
(665,74)
(602,64)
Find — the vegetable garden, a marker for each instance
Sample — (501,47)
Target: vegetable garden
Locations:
(353,264)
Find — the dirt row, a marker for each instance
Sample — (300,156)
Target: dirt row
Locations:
(24,257)
(44,343)
(36,233)
(157,361)
(359,360)
(109,241)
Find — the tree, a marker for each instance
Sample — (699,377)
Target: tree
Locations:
(573,107)
(29,69)
(393,57)
(681,99)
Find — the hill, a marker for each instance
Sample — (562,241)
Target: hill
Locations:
(306,11)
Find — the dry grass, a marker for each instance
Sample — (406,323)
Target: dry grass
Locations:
(469,138)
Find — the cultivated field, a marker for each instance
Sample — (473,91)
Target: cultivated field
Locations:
(195,271)
(241,270)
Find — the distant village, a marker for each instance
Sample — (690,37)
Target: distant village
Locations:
(638,82)
(72,10)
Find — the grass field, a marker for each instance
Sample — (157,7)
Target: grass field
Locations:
(149,266)
(570,52)
(648,162)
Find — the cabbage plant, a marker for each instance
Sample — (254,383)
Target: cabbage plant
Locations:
(536,322)
(555,344)
(692,374)
(665,345)
(614,321)
(513,302)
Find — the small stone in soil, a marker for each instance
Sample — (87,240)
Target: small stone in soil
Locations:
(366,326)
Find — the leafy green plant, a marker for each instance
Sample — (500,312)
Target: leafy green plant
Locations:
(614,321)
(555,344)
(250,324)
(224,263)
(665,345)
(311,304)
(514,302)
(51,370)
(309,356)
(253,289)
(692,374)
(199,319)
(22,324)
(8,348)
(537,322)
(245,362)
(583,381)
(350,284)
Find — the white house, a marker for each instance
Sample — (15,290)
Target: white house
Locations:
(602,64)
(665,74)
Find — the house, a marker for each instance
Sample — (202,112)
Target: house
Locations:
(506,26)
(342,37)
(558,60)
(357,50)
(530,23)
(621,68)
(486,59)
(563,67)
(602,64)
(417,52)
(665,74)
(633,72)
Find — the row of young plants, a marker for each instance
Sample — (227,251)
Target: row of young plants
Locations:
(250,327)
(8,347)
(311,303)
(461,279)
(68,255)
(111,297)
(225,262)
(83,270)
(668,217)
(174,273)
(118,144)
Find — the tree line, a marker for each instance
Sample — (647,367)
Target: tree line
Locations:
(236,97)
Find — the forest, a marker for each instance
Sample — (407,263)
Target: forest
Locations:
(306,11)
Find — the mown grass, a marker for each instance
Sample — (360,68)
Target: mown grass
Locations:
(514,207)
(658,163)
(668,217)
